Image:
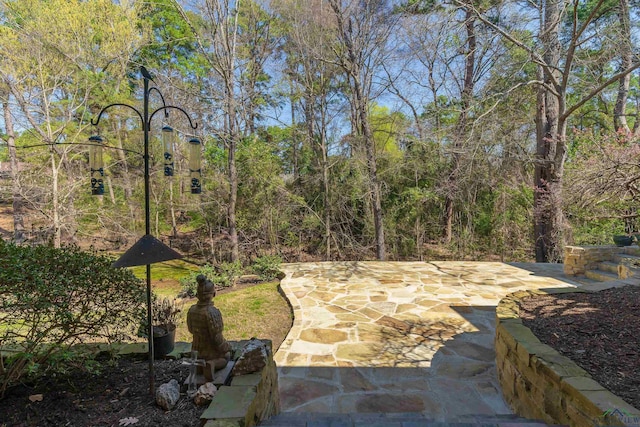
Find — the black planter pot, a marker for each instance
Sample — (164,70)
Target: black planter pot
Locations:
(623,240)
(164,340)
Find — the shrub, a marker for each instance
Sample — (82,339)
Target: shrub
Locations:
(189,284)
(267,267)
(223,276)
(52,298)
(230,271)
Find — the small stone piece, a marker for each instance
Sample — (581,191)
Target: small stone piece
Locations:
(252,359)
(205,394)
(36,397)
(168,395)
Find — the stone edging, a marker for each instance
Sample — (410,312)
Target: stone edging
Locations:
(248,399)
(539,383)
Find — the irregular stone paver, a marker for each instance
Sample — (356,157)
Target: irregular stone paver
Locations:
(398,336)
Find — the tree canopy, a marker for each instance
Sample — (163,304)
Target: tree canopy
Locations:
(339,129)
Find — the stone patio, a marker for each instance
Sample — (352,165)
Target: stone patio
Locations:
(398,337)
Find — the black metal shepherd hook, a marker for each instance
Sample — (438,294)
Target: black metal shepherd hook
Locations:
(148,249)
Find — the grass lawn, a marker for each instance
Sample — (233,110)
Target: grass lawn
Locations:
(165,276)
(257,311)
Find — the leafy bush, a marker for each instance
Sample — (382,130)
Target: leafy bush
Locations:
(189,284)
(222,276)
(267,267)
(230,271)
(52,298)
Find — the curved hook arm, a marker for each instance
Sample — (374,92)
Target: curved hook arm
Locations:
(95,123)
(167,107)
(126,150)
(164,104)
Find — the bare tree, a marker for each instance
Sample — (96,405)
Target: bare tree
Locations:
(50,72)
(218,43)
(363,29)
(557,60)
(17,204)
(626,60)
(307,42)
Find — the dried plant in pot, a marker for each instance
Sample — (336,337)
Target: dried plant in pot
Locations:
(165,315)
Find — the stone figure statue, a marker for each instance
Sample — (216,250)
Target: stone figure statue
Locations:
(204,321)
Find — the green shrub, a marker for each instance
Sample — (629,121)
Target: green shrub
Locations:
(230,271)
(267,267)
(52,298)
(223,276)
(189,284)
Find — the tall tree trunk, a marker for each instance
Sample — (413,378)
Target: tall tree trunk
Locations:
(233,178)
(550,135)
(55,201)
(370,150)
(461,125)
(234,135)
(126,177)
(17,206)
(353,65)
(294,137)
(325,182)
(626,56)
(174,224)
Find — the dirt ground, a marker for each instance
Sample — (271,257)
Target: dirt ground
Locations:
(599,331)
(117,396)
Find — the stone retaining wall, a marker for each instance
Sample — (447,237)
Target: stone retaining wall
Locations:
(579,259)
(247,400)
(539,383)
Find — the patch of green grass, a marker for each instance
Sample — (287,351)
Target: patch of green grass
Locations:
(165,276)
(258,311)
(175,269)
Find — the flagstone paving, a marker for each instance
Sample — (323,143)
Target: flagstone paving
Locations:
(398,336)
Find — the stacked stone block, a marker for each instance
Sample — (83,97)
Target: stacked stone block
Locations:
(248,399)
(579,259)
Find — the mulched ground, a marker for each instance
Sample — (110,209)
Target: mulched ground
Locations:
(599,331)
(118,396)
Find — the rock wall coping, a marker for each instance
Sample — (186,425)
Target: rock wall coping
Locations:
(540,383)
(248,399)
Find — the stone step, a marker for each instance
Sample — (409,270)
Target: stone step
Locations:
(581,281)
(298,419)
(632,250)
(609,267)
(600,276)
(626,259)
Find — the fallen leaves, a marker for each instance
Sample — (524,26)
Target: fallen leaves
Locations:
(129,421)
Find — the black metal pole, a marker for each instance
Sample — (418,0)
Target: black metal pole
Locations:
(147,223)
(146,127)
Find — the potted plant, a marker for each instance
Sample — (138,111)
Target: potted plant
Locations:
(623,240)
(165,320)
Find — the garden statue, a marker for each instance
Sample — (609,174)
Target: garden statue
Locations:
(205,323)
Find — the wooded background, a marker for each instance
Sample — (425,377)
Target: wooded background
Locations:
(354,129)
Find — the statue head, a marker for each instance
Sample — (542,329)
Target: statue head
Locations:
(206,289)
